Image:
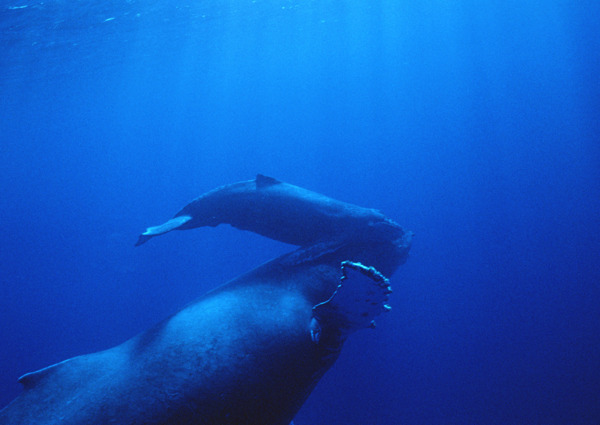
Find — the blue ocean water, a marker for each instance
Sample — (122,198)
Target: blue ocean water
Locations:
(474,124)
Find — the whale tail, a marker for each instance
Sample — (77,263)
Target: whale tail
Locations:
(172,224)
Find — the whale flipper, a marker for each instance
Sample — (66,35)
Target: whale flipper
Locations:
(362,295)
(172,224)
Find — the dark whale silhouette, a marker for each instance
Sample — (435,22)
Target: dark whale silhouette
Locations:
(279,211)
(247,353)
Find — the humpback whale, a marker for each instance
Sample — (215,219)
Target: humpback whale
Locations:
(248,352)
(279,211)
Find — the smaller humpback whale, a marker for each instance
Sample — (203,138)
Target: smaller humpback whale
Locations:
(280,211)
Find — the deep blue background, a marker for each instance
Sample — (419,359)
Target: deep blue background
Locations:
(475,124)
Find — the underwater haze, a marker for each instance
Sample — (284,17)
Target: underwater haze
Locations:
(475,124)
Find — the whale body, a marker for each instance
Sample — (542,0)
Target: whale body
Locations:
(279,211)
(247,353)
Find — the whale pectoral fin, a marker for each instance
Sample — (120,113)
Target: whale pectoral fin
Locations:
(172,224)
(361,296)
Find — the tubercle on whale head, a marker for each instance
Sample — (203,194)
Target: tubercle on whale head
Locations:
(384,229)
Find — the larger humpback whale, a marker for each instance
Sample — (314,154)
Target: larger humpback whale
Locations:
(247,353)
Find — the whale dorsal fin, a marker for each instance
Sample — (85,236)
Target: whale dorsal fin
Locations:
(265,181)
(31,379)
